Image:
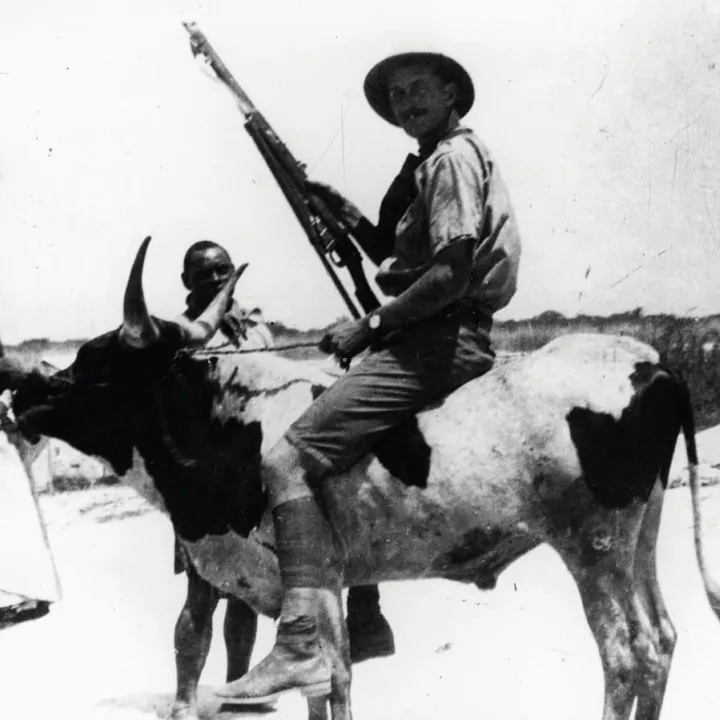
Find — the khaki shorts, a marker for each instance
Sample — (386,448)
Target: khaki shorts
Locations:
(414,369)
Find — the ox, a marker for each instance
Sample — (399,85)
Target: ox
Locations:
(570,446)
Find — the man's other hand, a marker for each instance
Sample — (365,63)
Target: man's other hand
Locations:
(337,203)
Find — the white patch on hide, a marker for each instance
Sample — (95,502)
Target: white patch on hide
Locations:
(240,566)
(584,371)
(268,389)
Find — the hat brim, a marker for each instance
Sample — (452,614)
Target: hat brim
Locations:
(376,82)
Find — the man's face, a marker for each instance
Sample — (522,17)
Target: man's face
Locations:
(420,100)
(207,272)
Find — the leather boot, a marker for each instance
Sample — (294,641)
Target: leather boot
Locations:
(369,631)
(305,550)
(296,662)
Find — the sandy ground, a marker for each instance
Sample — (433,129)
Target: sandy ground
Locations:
(521,651)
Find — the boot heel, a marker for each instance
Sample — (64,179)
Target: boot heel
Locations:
(321,689)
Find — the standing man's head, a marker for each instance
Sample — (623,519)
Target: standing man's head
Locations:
(419,92)
(206,268)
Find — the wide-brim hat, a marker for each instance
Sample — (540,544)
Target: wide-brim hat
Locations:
(376,82)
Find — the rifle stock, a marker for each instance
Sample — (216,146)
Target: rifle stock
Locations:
(328,236)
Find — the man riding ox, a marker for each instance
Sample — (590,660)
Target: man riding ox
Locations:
(570,445)
(207,266)
(448,249)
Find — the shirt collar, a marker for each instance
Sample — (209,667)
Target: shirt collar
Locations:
(452,127)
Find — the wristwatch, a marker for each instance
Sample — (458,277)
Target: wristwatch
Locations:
(374,322)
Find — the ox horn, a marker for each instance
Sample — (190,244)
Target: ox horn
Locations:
(200,330)
(138,329)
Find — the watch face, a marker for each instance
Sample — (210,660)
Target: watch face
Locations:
(374,322)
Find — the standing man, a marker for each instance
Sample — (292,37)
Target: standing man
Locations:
(206,268)
(448,250)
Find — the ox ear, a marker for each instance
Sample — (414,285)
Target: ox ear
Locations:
(138,329)
(12,374)
(199,331)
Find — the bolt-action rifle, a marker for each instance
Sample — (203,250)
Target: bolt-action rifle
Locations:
(329,236)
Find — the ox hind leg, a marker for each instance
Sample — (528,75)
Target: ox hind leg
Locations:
(336,644)
(601,558)
(659,633)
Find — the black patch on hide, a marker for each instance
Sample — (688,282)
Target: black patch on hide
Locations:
(405,454)
(402,450)
(621,459)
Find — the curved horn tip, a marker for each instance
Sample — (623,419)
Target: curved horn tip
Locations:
(140,254)
(138,329)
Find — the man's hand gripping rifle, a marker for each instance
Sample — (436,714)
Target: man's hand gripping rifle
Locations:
(327,233)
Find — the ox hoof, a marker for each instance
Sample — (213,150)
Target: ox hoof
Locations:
(370,637)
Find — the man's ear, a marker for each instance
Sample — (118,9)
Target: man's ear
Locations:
(451,94)
(185,281)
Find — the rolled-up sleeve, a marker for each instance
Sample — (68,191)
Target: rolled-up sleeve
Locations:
(454,198)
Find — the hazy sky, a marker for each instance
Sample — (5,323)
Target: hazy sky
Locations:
(603,116)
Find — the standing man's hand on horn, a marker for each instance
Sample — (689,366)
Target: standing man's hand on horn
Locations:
(198,332)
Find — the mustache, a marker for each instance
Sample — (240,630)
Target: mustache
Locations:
(412,114)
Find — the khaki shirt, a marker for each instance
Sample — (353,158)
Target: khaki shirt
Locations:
(460,196)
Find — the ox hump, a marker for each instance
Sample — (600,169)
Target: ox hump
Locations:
(596,372)
(624,412)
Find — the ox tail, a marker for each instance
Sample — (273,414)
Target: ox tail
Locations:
(712,587)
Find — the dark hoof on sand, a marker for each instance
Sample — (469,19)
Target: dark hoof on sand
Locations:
(371,640)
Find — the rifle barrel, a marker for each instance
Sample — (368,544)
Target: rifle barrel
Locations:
(200,45)
(291,176)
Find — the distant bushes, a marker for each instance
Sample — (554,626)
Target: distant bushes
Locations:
(691,346)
